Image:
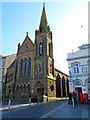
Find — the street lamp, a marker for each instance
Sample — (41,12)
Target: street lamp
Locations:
(30,96)
(9,102)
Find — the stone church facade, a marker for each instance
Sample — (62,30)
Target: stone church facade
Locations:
(32,73)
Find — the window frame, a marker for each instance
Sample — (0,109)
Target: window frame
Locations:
(76,68)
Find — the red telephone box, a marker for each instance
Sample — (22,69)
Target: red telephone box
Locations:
(81,98)
(85,97)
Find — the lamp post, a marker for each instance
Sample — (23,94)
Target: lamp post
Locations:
(30,97)
(9,102)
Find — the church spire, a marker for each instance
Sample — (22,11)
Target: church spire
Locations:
(43,21)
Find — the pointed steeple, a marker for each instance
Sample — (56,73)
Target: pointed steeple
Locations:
(43,21)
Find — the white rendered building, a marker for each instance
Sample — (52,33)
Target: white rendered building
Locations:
(79,70)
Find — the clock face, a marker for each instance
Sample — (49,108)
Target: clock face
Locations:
(84,69)
(26,46)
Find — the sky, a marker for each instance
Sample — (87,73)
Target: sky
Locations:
(64,18)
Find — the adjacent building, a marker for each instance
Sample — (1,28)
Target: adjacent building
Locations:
(2,69)
(79,69)
(8,61)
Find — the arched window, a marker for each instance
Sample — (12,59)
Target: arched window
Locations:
(67,87)
(28,89)
(40,29)
(17,89)
(49,48)
(21,68)
(52,87)
(40,49)
(29,70)
(25,68)
(63,87)
(76,68)
(39,68)
(24,88)
(58,86)
(21,88)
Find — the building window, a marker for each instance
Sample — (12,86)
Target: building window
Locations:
(40,29)
(49,48)
(29,71)
(84,69)
(76,68)
(52,88)
(25,68)
(40,49)
(50,68)
(39,69)
(21,68)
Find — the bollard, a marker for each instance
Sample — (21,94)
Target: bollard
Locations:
(29,101)
(73,102)
(9,104)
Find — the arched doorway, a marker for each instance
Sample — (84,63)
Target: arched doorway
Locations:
(58,86)
(78,88)
(40,91)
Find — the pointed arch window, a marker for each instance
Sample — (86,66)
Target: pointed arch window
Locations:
(39,69)
(40,29)
(49,48)
(21,68)
(25,68)
(40,48)
(29,70)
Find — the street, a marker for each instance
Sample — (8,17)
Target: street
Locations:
(59,109)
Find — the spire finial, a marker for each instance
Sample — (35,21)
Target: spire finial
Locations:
(27,33)
(43,4)
(43,21)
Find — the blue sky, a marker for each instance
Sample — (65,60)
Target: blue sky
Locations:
(64,18)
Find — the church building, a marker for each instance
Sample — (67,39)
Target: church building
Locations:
(32,72)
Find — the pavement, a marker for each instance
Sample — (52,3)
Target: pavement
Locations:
(58,109)
(5,105)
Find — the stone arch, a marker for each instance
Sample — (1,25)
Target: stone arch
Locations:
(63,87)
(38,84)
(24,88)
(77,82)
(21,88)
(58,86)
(28,89)
(52,87)
(86,81)
(17,89)
(86,84)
